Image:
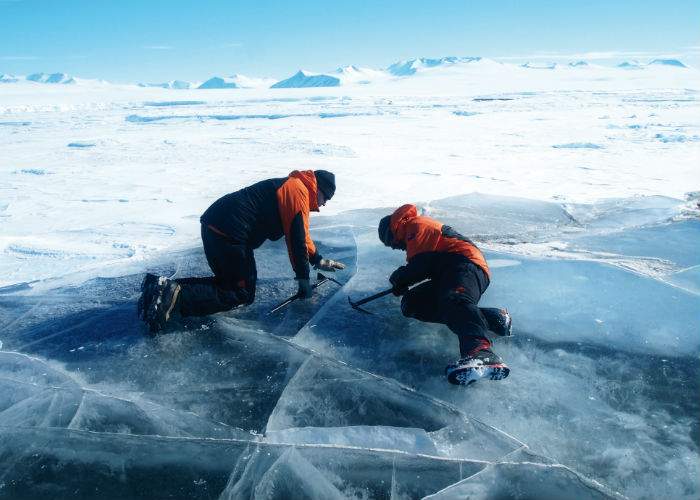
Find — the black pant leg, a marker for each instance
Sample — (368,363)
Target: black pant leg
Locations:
(462,286)
(420,302)
(233,282)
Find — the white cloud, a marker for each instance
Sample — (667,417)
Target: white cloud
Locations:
(231,45)
(158,47)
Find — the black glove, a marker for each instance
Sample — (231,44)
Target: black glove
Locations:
(395,279)
(305,289)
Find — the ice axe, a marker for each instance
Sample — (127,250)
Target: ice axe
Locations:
(356,305)
(320,280)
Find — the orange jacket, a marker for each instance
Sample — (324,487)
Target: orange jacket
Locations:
(296,198)
(422,234)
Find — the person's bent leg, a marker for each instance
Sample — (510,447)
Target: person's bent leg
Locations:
(203,296)
(420,303)
(467,322)
(229,287)
(463,316)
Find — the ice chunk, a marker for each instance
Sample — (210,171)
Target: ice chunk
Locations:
(289,476)
(527,480)
(481,216)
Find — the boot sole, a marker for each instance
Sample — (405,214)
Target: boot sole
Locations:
(469,375)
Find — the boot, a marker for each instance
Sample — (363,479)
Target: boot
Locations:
(163,304)
(148,286)
(481,364)
(499,320)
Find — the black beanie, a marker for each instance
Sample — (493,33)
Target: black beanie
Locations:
(325,181)
(385,234)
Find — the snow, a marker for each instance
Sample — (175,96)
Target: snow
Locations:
(581,186)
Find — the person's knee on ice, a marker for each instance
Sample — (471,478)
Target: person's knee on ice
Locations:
(232,298)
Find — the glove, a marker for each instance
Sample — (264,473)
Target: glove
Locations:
(395,280)
(329,265)
(396,277)
(305,289)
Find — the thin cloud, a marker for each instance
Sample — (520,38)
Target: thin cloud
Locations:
(593,56)
(232,45)
(18,58)
(158,47)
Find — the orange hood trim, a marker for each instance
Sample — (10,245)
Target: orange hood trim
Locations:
(399,218)
(308,178)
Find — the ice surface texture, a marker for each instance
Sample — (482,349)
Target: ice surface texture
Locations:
(319,401)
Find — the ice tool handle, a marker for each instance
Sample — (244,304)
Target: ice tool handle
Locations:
(320,280)
(356,305)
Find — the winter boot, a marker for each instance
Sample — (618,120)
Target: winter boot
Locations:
(499,320)
(148,286)
(482,364)
(162,304)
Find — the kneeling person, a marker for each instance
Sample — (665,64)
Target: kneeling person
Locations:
(458,275)
(232,227)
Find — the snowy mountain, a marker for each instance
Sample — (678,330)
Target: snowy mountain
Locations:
(411,66)
(307,79)
(355,75)
(173,84)
(51,78)
(667,62)
(578,64)
(4,78)
(542,65)
(236,81)
(218,82)
(630,65)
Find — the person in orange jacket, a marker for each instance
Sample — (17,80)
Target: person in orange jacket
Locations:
(457,275)
(232,227)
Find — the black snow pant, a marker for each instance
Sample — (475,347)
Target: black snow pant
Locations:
(233,282)
(451,299)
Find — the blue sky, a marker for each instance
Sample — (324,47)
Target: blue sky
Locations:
(155,40)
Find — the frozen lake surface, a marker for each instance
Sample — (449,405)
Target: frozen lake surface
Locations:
(580,187)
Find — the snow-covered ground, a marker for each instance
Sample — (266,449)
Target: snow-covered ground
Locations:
(580,182)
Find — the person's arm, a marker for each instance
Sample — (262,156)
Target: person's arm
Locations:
(415,271)
(293,199)
(302,250)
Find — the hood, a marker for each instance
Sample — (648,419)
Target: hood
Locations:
(399,218)
(308,178)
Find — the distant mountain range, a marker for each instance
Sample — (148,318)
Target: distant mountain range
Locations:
(347,75)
